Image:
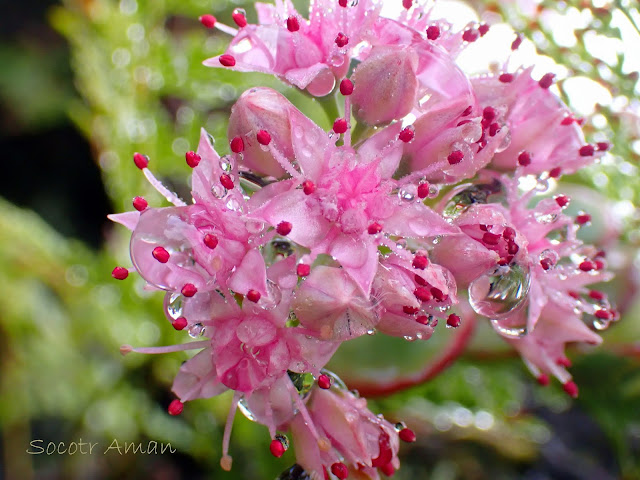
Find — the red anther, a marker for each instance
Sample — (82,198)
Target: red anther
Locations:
(342,3)
(160,254)
(603,314)
(406,134)
(573,294)
(211,241)
(175,407)
(423,320)
(603,146)
(512,248)
(292,24)
(517,42)
(237,145)
(374,228)
(506,78)
(599,264)
(420,262)
(410,310)
(555,172)
(207,20)
(547,80)
(597,295)
(455,157)
(346,87)
(503,261)
(491,238)
(489,113)
(263,137)
(227,60)
(453,320)
(567,120)
(284,228)
(438,294)
(239,18)
(192,158)
(407,435)
(189,290)
(524,158)
(571,389)
(583,218)
(407,4)
(341,40)
(140,160)
(277,448)
(388,470)
(140,204)
(509,234)
(601,253)
(543,379)
(308,187)
(493,129)
(470,35)
(385,454)
(303,270)
(580,121)
(120,273)
(423,294)
(483,29)
(467,111)
(179,323)
(562,200)
(324,381)
(433,32)
(423,190)
(340,125)
(485,228)
(226,181)
(546,263)
(340,470)
(253,296)
(463,122)
(586,150)
(587,266)
(563,362)
(419,280)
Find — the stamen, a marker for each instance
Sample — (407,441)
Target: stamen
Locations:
(571,388)
(423,294)
(491,238)
(587,266)
(423,190)
(161,254)
(583,218)
(517,42)
(284,228)
(189,290)
(340,470)
(141,161)
(226,181)
(562,200)
(433,32)
(374,228)
(175,407)
(453,321)
(253,296)
(597,295)
(179,323)
(420,262)
(211,241)
(308,187)
(226,460)
(346,87)
(547,80)
(162,190)
(236,144)
(227,60)
(470,35)
(276,448)
(483,29)
(340,125)
(509,234)
(140,204)
(292,24)
(506,78)
(455,157)
(192,158)
(543,379)
(303,270)
(407,4)
(524,158)
(324,381)
(586,150)
(406,135)
(407,435)
(208,20)
(342,3)
(120,273)
(603,146)
(263,137)
(239,18)
(411,310)
(341,40)
(555,172)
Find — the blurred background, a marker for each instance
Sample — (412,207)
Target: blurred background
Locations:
(85,83)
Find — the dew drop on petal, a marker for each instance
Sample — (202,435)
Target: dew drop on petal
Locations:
(408,193)
(196,330)
(546,218)
(173,305)
(226,163)
(218,190)
(243,406)
(506,141)
(500,291)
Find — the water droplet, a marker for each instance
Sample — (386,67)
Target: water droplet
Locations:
(409,338)
(234,205)
(337,60)
(336,381)
(241,11)
(196,330)
(254,226)
(471,132)
(408,193)
(600,323)
(400,426)
(434,191)
(506,141)
(282,438)
(274,295)
(218,190)
(542,185)
(545,218)
(298,132)
(371,331)
(509,331)
(471,195)
(226,163)
(549,259)
(303,382)
(353,3)
(500,291)
(173,305)
(246,411)
(296,472)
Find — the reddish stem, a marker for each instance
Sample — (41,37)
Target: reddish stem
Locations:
(375,388)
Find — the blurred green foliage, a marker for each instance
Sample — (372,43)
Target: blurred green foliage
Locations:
(141,87)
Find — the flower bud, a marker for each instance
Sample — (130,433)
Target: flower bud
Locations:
(263,109)
(385,85)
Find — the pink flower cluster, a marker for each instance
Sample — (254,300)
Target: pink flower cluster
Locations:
(300,239)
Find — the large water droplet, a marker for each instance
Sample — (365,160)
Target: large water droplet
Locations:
(226,163)
(296,472)
(473,194)
(173,305)
(500,291)
(302,381)
(506,141)
(243,406)
(336,381)
(514,329)
(196,330)
(407,193)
